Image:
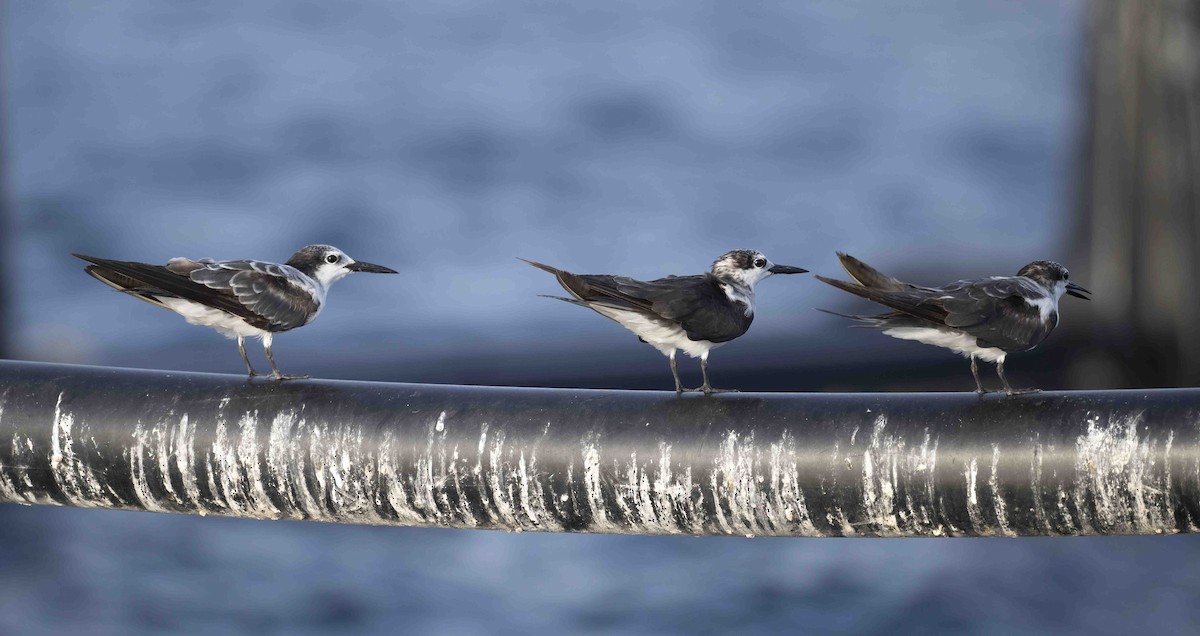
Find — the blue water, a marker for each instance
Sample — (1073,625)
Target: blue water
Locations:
(445,139)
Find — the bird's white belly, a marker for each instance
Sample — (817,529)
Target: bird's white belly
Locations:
(957,341)
(227,324)
(664,337)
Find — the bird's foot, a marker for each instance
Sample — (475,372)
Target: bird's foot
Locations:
(256,374)
(279,377)
(708,390)
(1012,392)
(982,391)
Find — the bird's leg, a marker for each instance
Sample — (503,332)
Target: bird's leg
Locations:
(1008,389)
(708,388)
(242,350)
(975,372)
(675,373)
(275,372)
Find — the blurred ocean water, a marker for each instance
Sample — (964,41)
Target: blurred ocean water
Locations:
(447,138)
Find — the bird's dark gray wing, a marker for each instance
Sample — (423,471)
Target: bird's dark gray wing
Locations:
(699,305)
(265,295)
(695,303)
(279,294)
(997,311)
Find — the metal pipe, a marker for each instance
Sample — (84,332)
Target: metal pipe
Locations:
(817,465)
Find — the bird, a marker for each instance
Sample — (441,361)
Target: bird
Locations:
(986,318)
(693,314)
(238,298)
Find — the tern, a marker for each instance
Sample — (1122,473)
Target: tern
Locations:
(238,298)
(986,318)
(693,314)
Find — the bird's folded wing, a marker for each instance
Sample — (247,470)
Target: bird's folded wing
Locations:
(697,303)
(997,311)
(276,293)
(147,280)
(263,296)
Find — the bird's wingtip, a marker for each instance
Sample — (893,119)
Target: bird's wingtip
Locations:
(542,266)
(834,313)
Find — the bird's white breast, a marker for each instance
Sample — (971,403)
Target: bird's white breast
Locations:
(1046,305)
(227,324)
(666,337)
(957,341)
(745,297)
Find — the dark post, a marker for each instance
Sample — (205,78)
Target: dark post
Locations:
(6,220)
(1141,196)
(815,465)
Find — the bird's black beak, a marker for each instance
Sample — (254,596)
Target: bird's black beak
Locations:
(360,266)
(1077,291)
(786,269)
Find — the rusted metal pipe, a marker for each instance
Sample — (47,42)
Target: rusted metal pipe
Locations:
(817,465)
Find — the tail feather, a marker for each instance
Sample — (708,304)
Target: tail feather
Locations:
(893,299)
(576,285)
(573,301)
(119,281)
(877,322)
(542,266)
(868,276)
(857,290)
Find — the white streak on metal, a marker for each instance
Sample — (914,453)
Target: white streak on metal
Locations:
(592,483)
(673,497)
(1115,472)
(222,465)
(465,514)
(137,469)
(649,503)
(502,499)
(11,489)
(441,423)
(669,496)
(185,461)
(735,484)
(391,476)
(1035,480)
(917,470)
(788,511)
(248,472)
(974,512)
(424,482)
(287,462)
(1061,499)
(351,469)
(525,495)
(997,496)
(879,478)
(73,477)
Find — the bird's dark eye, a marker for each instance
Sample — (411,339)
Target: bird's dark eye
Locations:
(332,258)
(760,262)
